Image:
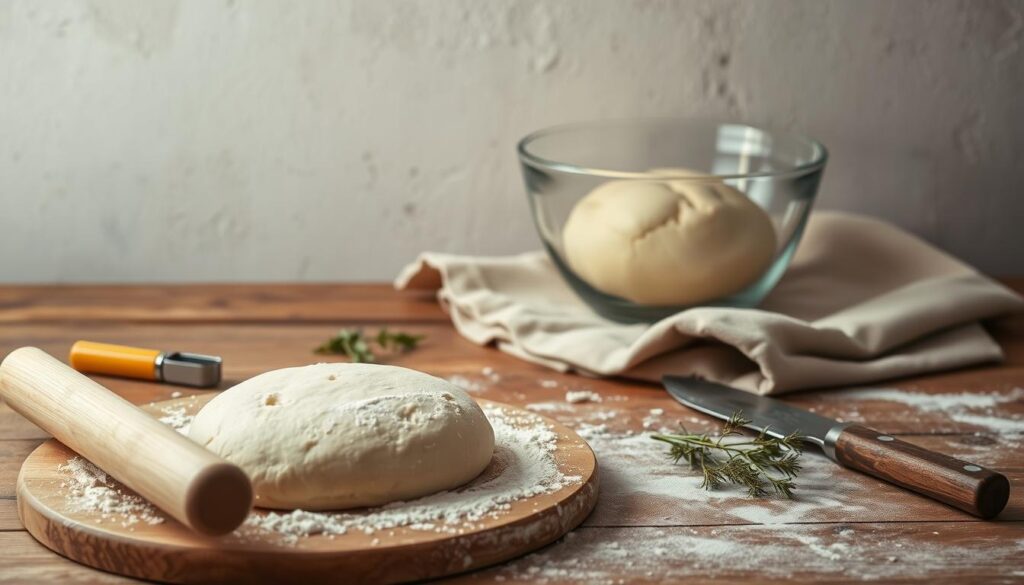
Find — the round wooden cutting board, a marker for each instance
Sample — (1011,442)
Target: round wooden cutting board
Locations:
(169,552)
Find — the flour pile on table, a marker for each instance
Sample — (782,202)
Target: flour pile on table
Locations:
(89,489)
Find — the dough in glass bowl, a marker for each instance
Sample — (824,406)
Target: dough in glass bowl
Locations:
(668,242)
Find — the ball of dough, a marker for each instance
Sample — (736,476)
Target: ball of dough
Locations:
(668,242)
(332,436)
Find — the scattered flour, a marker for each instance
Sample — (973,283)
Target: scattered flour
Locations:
(968,408)
(468,384)
(754,554)
(653,418)
(549,407)
(176,394)
(89,489)
(591,432)
(548,383)
(935,402)
(577,396)
(991,423)
(177,419)
(524,450)
(524,467)
(991,450)
(491,375)
(634,466)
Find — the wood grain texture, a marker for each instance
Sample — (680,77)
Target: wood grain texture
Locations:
(9,515)
(935,553)
(961,484)
(216,303)
(630,471)
(170,552)
(249,349)
(12,453)
(928,552)
(651,523)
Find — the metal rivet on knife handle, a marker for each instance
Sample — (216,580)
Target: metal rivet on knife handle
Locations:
(971,488)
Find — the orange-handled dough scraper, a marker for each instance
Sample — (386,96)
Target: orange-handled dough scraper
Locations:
(173,367)
(196,487)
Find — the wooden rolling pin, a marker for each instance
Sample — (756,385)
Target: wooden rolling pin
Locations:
(197,488)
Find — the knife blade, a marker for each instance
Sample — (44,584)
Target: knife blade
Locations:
(967,486)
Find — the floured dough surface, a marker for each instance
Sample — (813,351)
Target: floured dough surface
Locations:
(671,242)
(331,436)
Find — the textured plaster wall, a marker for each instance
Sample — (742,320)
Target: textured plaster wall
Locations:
(258,140)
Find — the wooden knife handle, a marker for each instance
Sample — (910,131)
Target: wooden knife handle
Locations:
(967,486)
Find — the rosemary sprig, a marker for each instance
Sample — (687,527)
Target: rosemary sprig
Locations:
(352,343)
(764,465)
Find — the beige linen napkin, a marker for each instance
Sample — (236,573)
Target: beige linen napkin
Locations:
(862,301)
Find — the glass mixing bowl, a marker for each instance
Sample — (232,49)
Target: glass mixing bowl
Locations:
(779,172)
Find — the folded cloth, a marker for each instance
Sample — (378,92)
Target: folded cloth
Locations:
(862,301)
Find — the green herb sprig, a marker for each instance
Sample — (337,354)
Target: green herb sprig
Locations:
(764,465)
(352,343)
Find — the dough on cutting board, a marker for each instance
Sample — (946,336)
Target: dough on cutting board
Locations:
(332,436)
(668,242)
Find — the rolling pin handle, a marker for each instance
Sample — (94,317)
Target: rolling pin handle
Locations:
(194,486)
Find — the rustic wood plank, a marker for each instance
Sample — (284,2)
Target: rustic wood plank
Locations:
(216,303)
(168,552)
(9,515)
(641,487)
(13,426)
(239,302)
(625,407)
(633,402)
(23,561)
(12,453)
(249,349)
(936,552)
(834,553)
(971,414)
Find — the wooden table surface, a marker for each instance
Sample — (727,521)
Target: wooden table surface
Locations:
(652,523)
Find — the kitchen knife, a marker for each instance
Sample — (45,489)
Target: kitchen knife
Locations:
(967,486)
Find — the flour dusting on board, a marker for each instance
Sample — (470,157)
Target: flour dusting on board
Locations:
(526,467)
(177,419)
(88,489)
(524,449)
